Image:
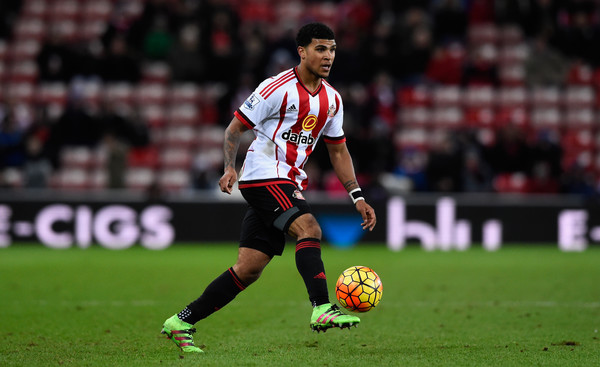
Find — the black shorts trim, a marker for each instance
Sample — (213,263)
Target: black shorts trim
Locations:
(273,207)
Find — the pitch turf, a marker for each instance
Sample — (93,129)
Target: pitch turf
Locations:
(519,306)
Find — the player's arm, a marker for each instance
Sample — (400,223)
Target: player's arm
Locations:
(344,170)
(233,134)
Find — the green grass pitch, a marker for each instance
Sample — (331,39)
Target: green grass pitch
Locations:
(519,306)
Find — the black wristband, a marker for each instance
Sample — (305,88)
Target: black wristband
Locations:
(356,195)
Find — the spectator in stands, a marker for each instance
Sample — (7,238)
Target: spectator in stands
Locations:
(577,180)
(545,66)
(415,56)
(446,64)
(581,38)
(9,9)
(118,64)
(116,160)
(75,126)
(449,21)
(476,174)
(12,152)
(159,19)
(158,40)
(546,157)
(37,168)
(444,165)
(56,61)
(186,60)
(224,60)
(480,67)
(510,153)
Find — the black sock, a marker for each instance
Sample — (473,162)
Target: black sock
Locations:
(220,292)
(310,266)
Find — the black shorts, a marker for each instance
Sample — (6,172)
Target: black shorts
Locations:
(274,205)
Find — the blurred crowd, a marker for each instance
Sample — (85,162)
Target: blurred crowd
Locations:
(392,59)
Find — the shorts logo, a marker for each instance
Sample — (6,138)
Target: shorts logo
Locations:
(251,102)
(297,195)
(309,122)
(331,111)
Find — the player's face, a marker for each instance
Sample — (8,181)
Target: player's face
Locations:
(318,56)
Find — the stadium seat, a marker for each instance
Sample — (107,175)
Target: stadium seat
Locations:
(91,30)
(478,34)
(98,10)
(76,157)
(443,96)
(184,93)
(68,30)
(154,116)
(24,50)
(151,93)
(30,28)
(71,179)
(511,183)
(512,75)
(417,138)
(156,72)
(510,34)
(479,117)
(183,114)
(545,97)
(35,9)
(211,136)
(3,71)
(414,117)
(174,179)
(546,117)
(580,118)
(182,136)
(3,50)
(480,96)
(98,179)
(175,157)
(579,97)
(448,117)
(413,96)
(52,93)
(139,178)
(64,10)
(121,92)
(22,92)
(513,54)
(23,72)
(512,96)
(208,158)
(147,157)
(580,74)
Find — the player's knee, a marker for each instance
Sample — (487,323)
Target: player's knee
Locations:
(306,227)
(313,231)
(249,274)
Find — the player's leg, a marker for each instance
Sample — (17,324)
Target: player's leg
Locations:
(254,254)
(218,293)
(307,231)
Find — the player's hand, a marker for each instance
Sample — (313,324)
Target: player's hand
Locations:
(227,180)
(368,215)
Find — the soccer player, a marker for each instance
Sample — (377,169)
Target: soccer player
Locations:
(288,114)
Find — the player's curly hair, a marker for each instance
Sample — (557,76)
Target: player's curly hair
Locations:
(313,30)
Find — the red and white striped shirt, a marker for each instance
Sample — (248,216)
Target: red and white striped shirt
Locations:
(288,120)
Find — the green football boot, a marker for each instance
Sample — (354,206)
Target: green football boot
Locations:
(181,334)
(327,316)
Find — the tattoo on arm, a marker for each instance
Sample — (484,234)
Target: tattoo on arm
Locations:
(350,185)
(230,147)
